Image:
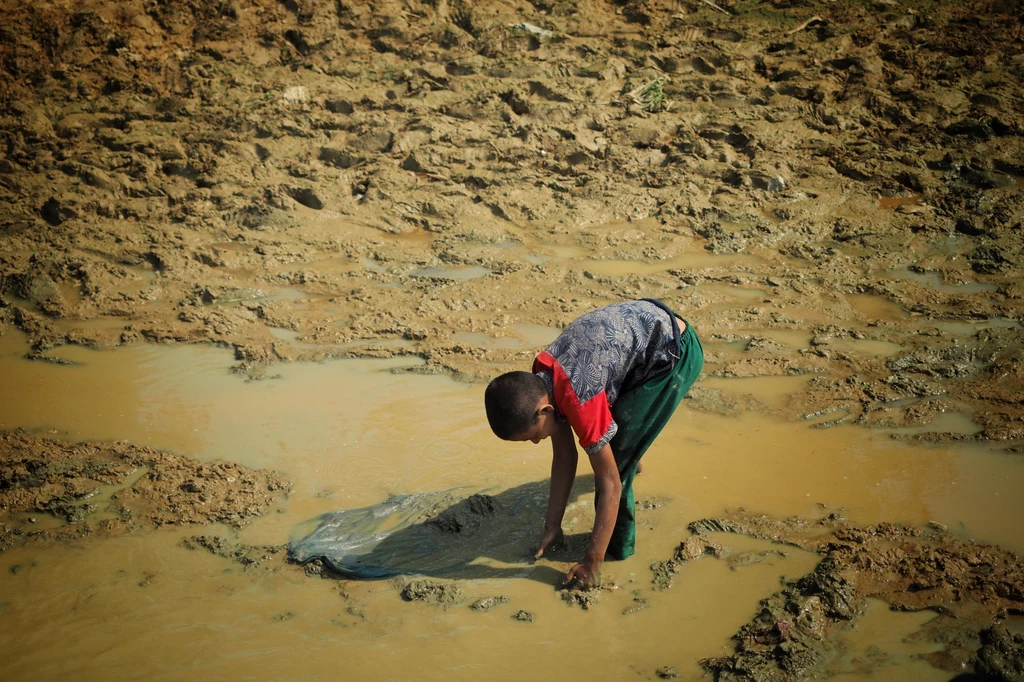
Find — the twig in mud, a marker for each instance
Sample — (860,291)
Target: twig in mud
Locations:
(711,4)
(804,25)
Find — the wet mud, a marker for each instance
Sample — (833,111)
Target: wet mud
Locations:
(433,592)
(971,587)
(109,489)
(830,192)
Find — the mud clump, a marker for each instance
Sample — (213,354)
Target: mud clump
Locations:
(585,599)
(465,516)
(691,549)
(523,616)
(488,603)
(1001,656)
(795,632)
(433,592)
(248,556)
(59,478)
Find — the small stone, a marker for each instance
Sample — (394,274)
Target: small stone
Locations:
(667,673)
(524,616)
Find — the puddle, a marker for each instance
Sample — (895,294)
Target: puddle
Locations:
(881,646)
(886,203)
(772,391)
(535,335)
(972,327)
(471,272)
(945,422)
(793,338)
(486,340)
(876,308)
(522,336)
(863,347)
(933,280)
(350,433)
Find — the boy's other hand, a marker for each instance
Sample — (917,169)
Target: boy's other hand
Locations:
(551,537)
(587,573)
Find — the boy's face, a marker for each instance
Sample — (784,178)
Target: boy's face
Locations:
(544,426)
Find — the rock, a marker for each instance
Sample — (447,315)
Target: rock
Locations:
(524,616)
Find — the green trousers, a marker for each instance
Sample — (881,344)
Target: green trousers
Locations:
(641,414)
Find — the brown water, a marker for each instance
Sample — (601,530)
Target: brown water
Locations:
(349,433)
(896,202)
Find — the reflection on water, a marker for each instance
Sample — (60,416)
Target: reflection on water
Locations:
(349,434)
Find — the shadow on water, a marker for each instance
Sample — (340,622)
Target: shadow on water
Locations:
(448,534)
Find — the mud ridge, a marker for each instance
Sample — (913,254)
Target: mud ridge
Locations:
(971,587)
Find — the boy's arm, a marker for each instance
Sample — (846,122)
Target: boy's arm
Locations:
(563,472)
(609,487)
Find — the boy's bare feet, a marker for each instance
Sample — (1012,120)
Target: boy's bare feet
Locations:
(639,467)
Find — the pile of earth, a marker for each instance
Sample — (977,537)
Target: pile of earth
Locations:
(142,489)
(973,589)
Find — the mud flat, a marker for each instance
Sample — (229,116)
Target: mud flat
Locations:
(230,588)
(247,245)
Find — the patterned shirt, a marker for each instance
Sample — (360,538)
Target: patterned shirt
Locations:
(600,356)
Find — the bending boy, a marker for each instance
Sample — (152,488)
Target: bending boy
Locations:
(614,376)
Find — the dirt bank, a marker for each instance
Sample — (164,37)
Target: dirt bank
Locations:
(317,179)
(971,587)
(109,489)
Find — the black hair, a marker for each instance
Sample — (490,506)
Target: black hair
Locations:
(511,401)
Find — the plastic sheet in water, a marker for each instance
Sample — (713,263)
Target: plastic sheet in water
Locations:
(446,532)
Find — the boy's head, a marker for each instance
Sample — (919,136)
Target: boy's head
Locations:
(514,406)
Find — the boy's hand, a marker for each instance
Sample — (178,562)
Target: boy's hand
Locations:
(551,537)
(587,572)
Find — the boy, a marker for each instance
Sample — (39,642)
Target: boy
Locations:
(614,376)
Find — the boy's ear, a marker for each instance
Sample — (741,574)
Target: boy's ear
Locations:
(546,408)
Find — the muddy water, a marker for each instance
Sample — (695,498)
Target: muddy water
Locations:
(350,433)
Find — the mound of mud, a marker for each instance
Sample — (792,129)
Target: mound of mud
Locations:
(432,592)
(143,487)
(970,586)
